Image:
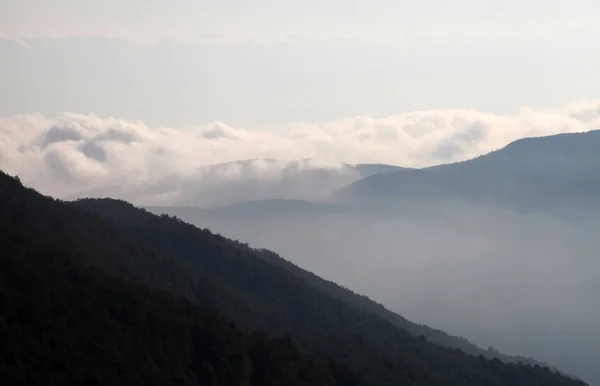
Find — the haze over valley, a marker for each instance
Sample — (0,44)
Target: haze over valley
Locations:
(486,262)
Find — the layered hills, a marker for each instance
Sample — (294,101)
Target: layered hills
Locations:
(102,292)
(512,230)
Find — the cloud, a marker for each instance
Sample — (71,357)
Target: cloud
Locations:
(72,153)
(21,42)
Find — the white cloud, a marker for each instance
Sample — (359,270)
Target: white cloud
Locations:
(73,153)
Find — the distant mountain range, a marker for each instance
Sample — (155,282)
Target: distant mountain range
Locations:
(246,180)
(555,177)
(562,169)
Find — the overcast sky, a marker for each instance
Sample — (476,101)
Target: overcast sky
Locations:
(275,61)
(381,20)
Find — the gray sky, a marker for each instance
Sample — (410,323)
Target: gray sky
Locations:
(271,62)
(372,19)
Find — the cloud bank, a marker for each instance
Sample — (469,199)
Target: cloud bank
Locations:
(71,153)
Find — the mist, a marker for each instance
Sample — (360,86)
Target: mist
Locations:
(522,283)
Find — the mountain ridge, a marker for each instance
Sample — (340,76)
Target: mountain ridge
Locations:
(162,252)
(259,179)
(562,168)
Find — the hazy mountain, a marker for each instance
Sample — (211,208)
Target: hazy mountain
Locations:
(562,169)
(239,282)
(507,240)
(246,180)
(536,155)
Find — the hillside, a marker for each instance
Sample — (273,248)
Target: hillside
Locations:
(212,271)
(65,324)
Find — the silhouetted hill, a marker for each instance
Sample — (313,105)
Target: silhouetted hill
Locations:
(215,272)
(63,323)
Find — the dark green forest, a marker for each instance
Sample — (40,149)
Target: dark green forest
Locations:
(64,324)
(101,292)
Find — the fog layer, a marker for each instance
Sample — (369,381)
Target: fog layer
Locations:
(522,283)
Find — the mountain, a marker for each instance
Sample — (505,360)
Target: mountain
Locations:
(563,169)
(247,180)
(239,283)
(536,155)
(63,323)
(366,170)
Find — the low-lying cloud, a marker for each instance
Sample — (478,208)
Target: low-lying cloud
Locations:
(72,153)
(523,283)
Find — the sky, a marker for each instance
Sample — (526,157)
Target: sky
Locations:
(268,19)
(408,83)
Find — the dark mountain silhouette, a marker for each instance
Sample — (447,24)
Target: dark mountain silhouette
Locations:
(239,282)
(64,323)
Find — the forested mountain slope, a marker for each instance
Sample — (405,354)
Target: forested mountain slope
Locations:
(215,272)
(63,323)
